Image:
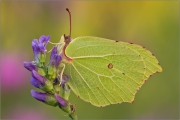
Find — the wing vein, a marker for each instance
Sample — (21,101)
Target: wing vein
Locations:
(86,83)
(127,76)
(104,76)
(99,80)
(73,81)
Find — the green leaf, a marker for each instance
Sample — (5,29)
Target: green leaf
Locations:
(105,72)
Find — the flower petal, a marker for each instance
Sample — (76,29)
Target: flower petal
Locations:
(35,82)
(42,49)
(55,58)
(58,59)
(62,102)
(40,78)
(35,45)
(29,66)
(39,96)
(44,39)
(54,52)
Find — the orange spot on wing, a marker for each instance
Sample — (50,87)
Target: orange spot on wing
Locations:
(110,65)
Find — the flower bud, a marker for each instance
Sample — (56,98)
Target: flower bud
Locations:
(42,82)
(57,88)
(38,77)
(52,72)
(42,58)
(55,58)
(35,82)
(29,66)
(63,104)
(41,71)
(45,98)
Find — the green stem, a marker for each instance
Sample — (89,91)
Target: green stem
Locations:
(73,115)
(70,109)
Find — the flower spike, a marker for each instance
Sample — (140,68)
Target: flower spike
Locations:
(50,78)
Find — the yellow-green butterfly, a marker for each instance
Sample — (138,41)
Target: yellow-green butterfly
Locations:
(103,71)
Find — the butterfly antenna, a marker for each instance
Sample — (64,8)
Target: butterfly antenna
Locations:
(69,21)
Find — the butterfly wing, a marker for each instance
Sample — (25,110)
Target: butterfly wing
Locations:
(104,72)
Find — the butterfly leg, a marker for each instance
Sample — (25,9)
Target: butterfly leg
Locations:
(62,65)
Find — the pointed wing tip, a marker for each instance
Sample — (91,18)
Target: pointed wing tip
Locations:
(159,70)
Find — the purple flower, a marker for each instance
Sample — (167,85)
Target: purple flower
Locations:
(39,47)
(29,66)
(35,82)
(39,78)
(65,78)
(41,82)
(44,97)
(61,102)
(39,96)
(55,58)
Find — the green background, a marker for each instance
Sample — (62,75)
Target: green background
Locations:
(154,25)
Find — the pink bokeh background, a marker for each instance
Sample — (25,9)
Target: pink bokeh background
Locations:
(26,114)
(13,74)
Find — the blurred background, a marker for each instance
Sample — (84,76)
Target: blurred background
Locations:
(154,25)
